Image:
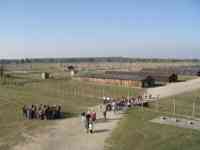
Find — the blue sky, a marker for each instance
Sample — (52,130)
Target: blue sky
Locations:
(86,28)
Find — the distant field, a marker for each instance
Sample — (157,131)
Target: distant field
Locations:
(29,89)
(135,132)
(91,67)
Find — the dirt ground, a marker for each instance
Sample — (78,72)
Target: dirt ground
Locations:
(69,134)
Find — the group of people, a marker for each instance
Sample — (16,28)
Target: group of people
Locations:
(88,119)
(42,112)
(120,103)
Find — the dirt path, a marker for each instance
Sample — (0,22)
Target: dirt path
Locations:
(175,88)
(68,134)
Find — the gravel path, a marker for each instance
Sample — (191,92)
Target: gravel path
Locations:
(68,134)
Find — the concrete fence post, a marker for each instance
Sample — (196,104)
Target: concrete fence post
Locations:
(193,110)
(174,107)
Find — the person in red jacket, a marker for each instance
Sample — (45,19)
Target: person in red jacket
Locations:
(93,116)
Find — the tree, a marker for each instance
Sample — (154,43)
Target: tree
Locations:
(71,68)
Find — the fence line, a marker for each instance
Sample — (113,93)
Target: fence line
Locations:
(191,110)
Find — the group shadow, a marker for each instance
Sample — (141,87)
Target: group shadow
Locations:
(101,131)
(102,120)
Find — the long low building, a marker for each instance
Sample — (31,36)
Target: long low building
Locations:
(120,80)
(158,76)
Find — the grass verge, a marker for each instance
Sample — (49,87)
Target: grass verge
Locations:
(136,132)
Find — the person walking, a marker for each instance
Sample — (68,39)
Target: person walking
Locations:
(105,114)
(114,107)
(93,116)
(83,119)
(88,116)
(24,111)
(91,125)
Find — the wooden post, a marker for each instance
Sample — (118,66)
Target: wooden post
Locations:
(71,91)
(193,110)
(74,91)
(78,91)
(174,104)
(157,104)
(128,93)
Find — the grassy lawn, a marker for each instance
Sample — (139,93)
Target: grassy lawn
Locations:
(135,132)
(183,102)
(74,96)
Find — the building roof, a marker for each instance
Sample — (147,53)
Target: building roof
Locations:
(117,77)
(158,76)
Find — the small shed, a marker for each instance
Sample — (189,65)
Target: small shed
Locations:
(71,70)
(149,81)
(198,73)
(173,78)
(45,75)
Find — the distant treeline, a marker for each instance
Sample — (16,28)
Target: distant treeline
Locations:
(92,60)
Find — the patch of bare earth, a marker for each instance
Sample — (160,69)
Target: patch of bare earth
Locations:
(69,134)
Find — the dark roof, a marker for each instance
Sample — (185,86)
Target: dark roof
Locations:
(116,77)
(158,76)
(142,72)
(71,67)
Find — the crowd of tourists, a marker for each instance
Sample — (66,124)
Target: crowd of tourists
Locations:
(42,112)
(88,118)
(120,103)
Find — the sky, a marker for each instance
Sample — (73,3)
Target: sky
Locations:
(100,28)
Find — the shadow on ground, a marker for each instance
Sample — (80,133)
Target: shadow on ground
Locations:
(101,131)
(66,115)
(106,121)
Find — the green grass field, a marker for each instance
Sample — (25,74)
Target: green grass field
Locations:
(136,132)
(74,96)
(183,103)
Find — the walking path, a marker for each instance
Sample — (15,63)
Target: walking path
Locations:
(68,134)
